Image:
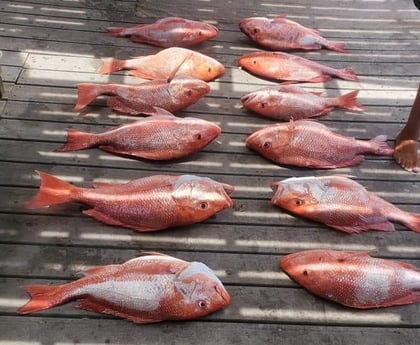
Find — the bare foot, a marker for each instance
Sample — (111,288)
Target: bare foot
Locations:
(405,153)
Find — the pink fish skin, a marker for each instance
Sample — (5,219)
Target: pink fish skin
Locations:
(284,34)
(167,64)
(340,203)
(168,32)
(147,289)
(311,144)
(149,98)
(291,68)
(290,102)
(146,204)
(160,137)
(354,279)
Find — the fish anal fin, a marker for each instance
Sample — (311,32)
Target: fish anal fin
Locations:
(320,79)
(355,229)
(111,221)
(314,46)
(413,297)
(98,307)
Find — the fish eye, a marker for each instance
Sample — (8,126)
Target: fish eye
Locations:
(254,62)
(256,31)
(202,304)
(198,136)
(209,69)
(305,272)
(203,205)
(299,202)
(266,144)
(189,93)
(262,105)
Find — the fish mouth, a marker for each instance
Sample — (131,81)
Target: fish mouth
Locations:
(248,98)
(277,188)
(224,294)
(227,191)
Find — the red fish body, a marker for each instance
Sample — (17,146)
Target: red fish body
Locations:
(159,137)
(289,102)
(146,204)
(340,203)
(354,279)
(168,32)
(310,144)
(148,98)
(167,64)
(284,34)
(147,289)
(291,68)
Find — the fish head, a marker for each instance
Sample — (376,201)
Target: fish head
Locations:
(187,89)
(206,68)
(262,101)
(313,268)
(199,198)
(254,27)
(201,291)
(204,32)
(269,141)
(199,133)
(297,195)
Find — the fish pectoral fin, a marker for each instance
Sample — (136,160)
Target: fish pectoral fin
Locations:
(98,307)
(384,226)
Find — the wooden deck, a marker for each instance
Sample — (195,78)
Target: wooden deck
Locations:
(49,46)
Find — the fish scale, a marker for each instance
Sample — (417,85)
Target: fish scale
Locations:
(340,203)
(146,289)
(354,279)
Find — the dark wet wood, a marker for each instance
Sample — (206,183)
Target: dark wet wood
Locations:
(49,46)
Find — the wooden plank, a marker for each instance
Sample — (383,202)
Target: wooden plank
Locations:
(229,117)
(248,164)
(67,262)
(35,329)
(250,304)
(249,238)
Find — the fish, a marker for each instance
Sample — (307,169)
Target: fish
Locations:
(290,102)
(291,68)
(146,289)
(354,279)
(160,137)
(149,98)
(167,64)
(340,203)
(281,33)
(151,203)
(167,32)
(310,144)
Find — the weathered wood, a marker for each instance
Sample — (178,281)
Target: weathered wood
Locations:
(50,46)
(239,238)
(110,331)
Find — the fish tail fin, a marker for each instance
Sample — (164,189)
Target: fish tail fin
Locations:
(413,222)
(111,65)
(42,297)
(116,31)
(379,146)
(347,74)
(52,191)
(349,101)
(86,92)
(336,46)
(77,140)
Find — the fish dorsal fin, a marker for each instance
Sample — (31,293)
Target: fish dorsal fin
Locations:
(171,20)
(279,18)
(99,270)
(350,255)
(98,185)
